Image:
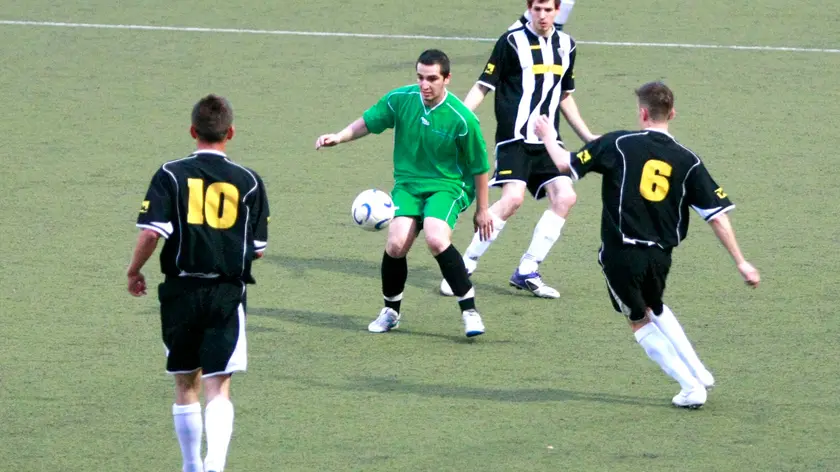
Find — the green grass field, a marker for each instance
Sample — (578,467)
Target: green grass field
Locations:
(90,113)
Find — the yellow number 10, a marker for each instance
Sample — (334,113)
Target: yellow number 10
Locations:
(654,185)
(218,208)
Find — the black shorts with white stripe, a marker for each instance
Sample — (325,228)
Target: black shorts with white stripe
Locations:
(203,325)
(524,162)
(636,276)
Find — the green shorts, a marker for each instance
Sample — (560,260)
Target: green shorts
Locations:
(440,200)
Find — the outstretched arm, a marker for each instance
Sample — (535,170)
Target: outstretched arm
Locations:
(544,129)
(726,234)
(354,130)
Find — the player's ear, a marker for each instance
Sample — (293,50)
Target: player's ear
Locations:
(672,114)
(230,133)
(193,133)
(447,79)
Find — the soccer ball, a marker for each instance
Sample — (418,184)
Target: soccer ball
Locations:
(373,210)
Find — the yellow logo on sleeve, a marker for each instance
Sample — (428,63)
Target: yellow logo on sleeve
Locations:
(490,68)
(720,193)
(144,207)
(584,156)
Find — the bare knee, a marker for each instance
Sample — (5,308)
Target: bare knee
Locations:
(509,204)
(217,386)
(187,387)
(563,197)
(397,246)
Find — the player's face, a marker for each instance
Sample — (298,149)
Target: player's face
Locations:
(432,83)
(542,16)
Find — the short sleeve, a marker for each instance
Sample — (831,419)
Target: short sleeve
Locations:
(496,65)
(704,195)
(474,147)
(380,116)
(156,211)
(597,156)
(262,216)
(568,83)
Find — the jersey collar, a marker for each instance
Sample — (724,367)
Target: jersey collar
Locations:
(210,151)
(660,131)
(530,28)
(428,110)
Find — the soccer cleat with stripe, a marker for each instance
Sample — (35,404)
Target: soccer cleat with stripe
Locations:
(533,283)
(692,399)
(473,326)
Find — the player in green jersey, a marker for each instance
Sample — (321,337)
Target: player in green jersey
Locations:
(440,167)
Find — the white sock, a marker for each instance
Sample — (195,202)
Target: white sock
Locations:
(661,351)
(477,247)
(670,327)
(565,10)
(546,233)
(188,427)
(218,423)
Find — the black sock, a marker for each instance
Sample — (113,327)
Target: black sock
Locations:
(455,272)
(394,275)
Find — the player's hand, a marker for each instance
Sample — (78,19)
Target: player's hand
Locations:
(483,224)
(544,129)
(749,273)
(327,140)
(136,284)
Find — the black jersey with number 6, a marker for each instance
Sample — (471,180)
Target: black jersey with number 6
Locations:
(649,182)
(213,214)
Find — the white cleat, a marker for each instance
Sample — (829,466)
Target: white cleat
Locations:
(694,398)
(706,379)
(473,326)
(387,320)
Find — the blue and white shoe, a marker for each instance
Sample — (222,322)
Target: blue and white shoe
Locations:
(533,283)
(387,320)
(473,326)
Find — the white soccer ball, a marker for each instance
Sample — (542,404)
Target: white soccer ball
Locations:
(373,210)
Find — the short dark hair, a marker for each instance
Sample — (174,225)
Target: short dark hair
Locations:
(431,57)
(657,98)
(532,2)
(212,117)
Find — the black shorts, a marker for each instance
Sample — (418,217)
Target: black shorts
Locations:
(635,278)
(203,325)
(529,163)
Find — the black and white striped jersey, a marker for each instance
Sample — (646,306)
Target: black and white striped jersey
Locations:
(530,74)
(649,183)
(213,213)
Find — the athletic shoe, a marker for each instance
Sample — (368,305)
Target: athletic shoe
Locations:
(472,323)
(533,283)
(694,398)
(387,320)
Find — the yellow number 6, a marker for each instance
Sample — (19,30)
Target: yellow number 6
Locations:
(654,185)
(220,195)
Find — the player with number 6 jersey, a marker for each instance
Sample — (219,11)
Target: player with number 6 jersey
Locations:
(649,183)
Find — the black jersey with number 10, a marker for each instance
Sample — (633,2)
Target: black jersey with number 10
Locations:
(649,183)
(213,214)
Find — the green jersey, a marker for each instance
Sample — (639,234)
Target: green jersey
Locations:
(439,143)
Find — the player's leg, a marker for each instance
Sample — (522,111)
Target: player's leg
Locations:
(511,172)
(186,415)
(223,352)
(394,270)
(665,320)
(545,180)
(625,271)
(440,215)
(183,340)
